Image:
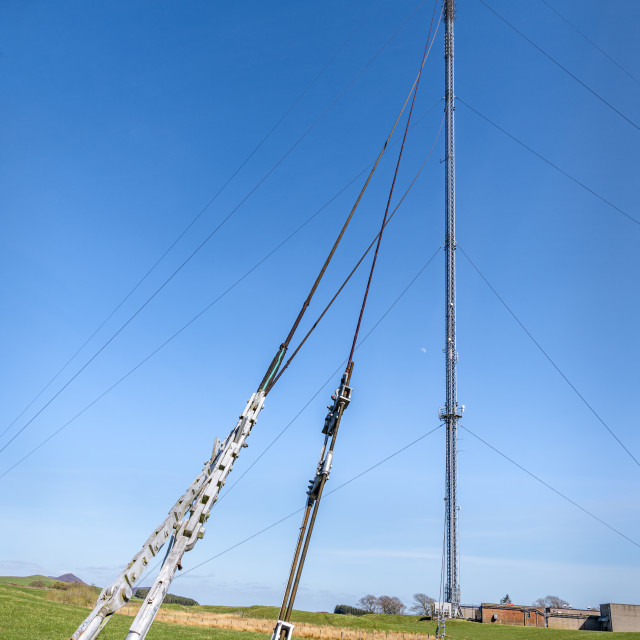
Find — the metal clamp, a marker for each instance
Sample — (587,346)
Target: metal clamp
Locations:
(324,469)
(341,399)
(283,630)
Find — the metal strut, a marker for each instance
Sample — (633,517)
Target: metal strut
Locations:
(341,399)
(184,532)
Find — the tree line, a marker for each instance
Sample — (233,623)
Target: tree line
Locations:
(554,602)
(422,605)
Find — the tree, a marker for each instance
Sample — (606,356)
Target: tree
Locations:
(369,603)
(551,601)
(505,600)
(423,604)
(391,604)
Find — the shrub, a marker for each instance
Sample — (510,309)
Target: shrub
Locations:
(60,585)
(37,584)
(79,595)
(348,610)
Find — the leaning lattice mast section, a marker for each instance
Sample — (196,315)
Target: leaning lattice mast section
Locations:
(451,412)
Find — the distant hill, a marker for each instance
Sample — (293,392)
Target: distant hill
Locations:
(69,577)
(47,580)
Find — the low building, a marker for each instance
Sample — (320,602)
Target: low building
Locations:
(512,614)
(442,609)
(567,618)
(470,612)
(620,617)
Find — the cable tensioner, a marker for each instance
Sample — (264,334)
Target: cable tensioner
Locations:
(341,399)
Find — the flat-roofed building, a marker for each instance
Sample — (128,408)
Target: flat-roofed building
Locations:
(512,614)
(470,612)
(620,617)
(568,618)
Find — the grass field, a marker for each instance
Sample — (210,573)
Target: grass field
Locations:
(25,613)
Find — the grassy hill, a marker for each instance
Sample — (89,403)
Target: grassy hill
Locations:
(26,613)
(26,580)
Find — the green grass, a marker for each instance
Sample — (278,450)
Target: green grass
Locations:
(461,629)
(25,613)
(457,629)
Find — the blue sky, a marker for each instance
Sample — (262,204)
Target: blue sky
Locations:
(121,121)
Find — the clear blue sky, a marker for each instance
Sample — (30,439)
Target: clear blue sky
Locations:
(120,121)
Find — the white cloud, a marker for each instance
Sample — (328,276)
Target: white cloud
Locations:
(20,567)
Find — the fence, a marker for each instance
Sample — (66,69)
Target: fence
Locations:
(256,625)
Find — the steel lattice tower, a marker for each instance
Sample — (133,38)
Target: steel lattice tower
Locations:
(451,412)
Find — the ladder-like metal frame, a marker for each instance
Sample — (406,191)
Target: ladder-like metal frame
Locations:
(183,533)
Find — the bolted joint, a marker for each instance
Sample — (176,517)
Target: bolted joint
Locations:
(341,399)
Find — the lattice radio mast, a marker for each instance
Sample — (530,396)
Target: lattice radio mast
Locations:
(451,412)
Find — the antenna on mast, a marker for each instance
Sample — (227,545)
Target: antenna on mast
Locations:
(451,413)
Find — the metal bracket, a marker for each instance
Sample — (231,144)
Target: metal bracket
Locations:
(324,469)
(443,414)
(341,399)
(283,630)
